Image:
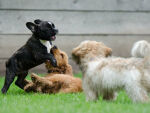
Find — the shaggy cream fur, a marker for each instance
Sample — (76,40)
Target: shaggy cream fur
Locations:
(103,75)
(140,49)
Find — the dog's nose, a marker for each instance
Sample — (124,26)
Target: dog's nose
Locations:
(56,31)
(53,49)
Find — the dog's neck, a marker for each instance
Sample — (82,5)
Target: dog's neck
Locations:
(85,61)
(46,44)
(56,71)
(61,70)
(89,58)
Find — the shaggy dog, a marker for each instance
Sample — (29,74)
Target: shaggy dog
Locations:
(60,80)
(104,75)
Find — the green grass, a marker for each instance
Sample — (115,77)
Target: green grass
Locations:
(18,101)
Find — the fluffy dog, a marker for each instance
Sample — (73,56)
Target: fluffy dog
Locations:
(104,75)
(35,52)
(60,80)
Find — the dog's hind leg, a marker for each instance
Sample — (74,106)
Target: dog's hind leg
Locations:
(137,93)
(21,82)
(8,80)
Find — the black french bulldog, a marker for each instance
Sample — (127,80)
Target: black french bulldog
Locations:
(33,53)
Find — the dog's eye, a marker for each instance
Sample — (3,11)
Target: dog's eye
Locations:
(53,25)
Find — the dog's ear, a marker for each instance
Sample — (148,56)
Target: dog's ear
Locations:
(31,26)
(37,21)
(108,52)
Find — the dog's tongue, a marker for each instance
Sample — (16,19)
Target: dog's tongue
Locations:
(53,37)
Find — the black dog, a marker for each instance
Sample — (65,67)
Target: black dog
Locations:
(35,52)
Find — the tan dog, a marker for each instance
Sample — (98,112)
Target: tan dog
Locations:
(104,75)
(58,83)
(60,80)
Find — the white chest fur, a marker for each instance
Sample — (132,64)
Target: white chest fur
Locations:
(46,44)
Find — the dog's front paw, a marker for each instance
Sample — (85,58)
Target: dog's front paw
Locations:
(34,77)
(29,87)
(54,62)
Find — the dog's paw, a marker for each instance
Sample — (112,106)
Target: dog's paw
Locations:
(28,88)
(33,77)
(4,91)
(54,62)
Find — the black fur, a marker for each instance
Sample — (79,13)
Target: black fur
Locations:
(33,53)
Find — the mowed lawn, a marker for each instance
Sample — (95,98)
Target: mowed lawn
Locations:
(18,101)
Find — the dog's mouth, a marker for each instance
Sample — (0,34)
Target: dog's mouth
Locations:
(53,38)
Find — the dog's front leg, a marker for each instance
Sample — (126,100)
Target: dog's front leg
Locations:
(21,82)
(52,59)
(44,57)
(30,87)
(91,95)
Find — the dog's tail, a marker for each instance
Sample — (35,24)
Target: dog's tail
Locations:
(141,49)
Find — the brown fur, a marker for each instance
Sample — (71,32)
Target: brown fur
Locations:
(60,80)
(62,64)
(58,83)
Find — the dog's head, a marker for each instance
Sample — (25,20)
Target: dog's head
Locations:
(60,56)
(44,30)
(90,49)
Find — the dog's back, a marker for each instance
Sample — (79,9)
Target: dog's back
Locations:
(25,58)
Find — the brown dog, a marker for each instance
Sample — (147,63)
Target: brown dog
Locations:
(60,80)
(58,83)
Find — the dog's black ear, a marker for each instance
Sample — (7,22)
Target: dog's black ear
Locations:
(37,21)
(31,26)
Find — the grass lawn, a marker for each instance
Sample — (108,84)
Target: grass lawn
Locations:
(18,101)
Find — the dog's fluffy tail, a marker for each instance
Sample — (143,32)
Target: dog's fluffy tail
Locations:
(141,49)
